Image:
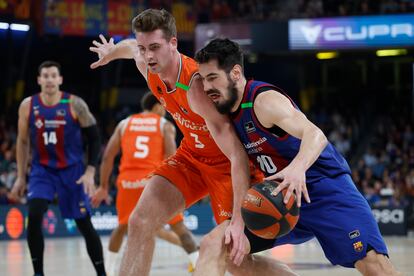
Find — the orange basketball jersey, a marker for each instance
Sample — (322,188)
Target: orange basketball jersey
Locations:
(197,138)
(142,145)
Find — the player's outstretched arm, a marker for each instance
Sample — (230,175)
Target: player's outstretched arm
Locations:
(105,169)
(294,122)
(108,51)
(22,149)
(223,133)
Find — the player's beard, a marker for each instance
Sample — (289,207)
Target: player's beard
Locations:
(226,106)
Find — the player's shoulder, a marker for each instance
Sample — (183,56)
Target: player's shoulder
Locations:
(189,66)
(167,126)
(122,125)
(166,122)
(24,108)
(73,98)
(77,104)
(268,95)
(187,60)
(25,104)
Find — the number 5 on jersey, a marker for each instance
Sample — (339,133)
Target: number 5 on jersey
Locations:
(142,148)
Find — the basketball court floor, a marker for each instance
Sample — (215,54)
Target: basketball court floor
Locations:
(67,256)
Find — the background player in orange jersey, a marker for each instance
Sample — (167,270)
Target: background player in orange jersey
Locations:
(198,168)
(145,139)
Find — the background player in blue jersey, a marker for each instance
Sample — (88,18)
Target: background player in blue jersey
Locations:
(51,124)
(289,148)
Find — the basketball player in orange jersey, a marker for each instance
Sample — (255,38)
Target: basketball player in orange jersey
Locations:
(145,139)
(198,168)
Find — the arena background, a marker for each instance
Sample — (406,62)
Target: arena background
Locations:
(327,55)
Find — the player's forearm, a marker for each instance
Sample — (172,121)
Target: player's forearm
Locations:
(22,156)
(240,174)
(122,50)
(105,172)
(228,142)
(313,143)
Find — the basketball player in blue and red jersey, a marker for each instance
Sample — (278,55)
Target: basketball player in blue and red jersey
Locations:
(51,124)
(289,148)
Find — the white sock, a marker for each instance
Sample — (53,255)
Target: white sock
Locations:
(111,263)
(193,258)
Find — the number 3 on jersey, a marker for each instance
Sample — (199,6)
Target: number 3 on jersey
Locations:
(141,144)
(266,164)
(198,143)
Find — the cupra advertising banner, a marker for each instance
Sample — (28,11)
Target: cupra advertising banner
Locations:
(351,32)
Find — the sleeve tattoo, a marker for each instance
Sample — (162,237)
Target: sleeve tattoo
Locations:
(83,113)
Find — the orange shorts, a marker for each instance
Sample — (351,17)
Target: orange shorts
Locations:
(197,177)
(127,199)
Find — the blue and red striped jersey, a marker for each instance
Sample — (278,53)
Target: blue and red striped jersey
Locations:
(55,135)
(272,149)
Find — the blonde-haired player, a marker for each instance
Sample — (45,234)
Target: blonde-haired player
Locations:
(145,139)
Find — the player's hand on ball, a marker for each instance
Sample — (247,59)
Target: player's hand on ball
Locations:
(295,183)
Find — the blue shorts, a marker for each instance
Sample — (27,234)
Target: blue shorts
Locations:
(45,182)
(339,217)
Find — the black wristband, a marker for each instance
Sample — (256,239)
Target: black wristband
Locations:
(94,144)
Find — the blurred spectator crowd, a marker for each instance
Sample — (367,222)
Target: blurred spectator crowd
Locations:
(8,168)
(385,171)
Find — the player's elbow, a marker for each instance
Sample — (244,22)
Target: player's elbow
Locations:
(321,137)
(22,140)
(168,154)
(238,159)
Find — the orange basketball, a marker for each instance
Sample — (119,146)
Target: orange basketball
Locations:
(267,216)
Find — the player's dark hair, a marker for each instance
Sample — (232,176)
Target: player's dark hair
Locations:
(48,64)
(226,52)
(148,101)
(153,19)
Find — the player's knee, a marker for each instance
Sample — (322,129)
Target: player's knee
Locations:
(213,241)
(138,223)
(36,209)
(375,264)
(35,214)
(134,222)
(236,270)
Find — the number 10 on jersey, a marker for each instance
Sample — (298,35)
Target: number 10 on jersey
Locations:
(266,164)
